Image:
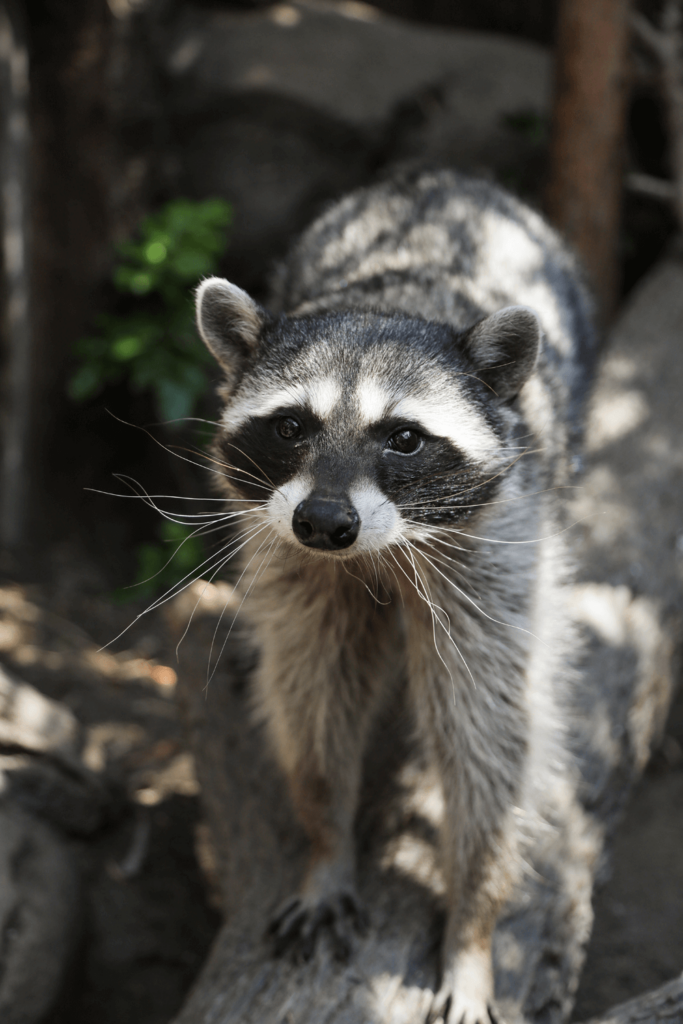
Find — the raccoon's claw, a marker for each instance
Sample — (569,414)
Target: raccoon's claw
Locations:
(446,1008)
(296,926)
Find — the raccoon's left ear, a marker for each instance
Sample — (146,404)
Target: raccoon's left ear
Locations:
(230,323)
(504,348)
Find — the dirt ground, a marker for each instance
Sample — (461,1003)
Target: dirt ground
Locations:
(149,910)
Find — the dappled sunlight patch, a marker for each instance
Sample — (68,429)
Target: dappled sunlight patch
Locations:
(616,416)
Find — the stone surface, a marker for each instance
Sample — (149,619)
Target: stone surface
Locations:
(283,108)
(34,722)
(39,915)
(632,604)
(41,769)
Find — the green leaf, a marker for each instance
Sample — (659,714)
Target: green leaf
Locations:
(85,382)
(152,341)
(156,252)
(127,348)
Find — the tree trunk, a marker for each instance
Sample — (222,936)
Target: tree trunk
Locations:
(15,171)
(584,191)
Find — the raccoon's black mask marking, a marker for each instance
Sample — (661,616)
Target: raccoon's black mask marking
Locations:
(260,459)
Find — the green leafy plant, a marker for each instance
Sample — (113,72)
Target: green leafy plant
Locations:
(152,343)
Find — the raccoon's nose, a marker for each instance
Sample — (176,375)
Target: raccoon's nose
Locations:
(325,523)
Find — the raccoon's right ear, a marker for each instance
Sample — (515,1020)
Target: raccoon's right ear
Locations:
(229,321)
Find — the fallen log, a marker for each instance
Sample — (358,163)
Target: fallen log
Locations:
(664,1005)
(625,600)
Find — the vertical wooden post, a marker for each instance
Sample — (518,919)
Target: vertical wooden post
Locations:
(14,179)
(584,191)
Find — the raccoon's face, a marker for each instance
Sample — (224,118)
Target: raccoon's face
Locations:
(350,431)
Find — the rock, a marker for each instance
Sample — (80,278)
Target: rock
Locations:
(43,771)
(283,108)
(39,915)
(628,510)
(34,722)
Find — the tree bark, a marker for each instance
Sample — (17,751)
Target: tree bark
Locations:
(663,1005)
(15,171)
(584,192)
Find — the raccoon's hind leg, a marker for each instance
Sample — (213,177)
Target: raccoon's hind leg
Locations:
(325,649)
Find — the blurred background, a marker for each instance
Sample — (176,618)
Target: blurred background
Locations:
(146,143)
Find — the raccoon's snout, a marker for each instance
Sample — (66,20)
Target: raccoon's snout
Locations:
(325,523)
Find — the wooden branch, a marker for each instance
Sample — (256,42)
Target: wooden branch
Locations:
(648,35)
(672,85)
(584,192)
(663,1005)
(666,46)
(648,185)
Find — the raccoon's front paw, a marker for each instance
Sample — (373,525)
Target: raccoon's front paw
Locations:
(298,923)
(453,1008)
(466,993)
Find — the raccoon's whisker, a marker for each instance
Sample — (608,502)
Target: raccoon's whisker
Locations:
(375,597)
(196,419)
(210,672)
(450,563)
(226,465)
(447,632)
(474,487)
(171,497)
(499,622)
(168,448)
(232,445)
(241,541)
(374,562)
(237,543)
(496,501)
(535,540)
(208,528)
(429,532)
(425,595)
(462,373)
(174,590)
(175,517)
(259,571)
(389,567)
(422,591)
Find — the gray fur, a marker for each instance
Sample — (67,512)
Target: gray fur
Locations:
(397,396)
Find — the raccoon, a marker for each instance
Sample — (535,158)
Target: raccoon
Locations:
(396,437)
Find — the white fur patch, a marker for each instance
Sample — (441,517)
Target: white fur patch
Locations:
(283,501)
(320,396)
(264,403)
(453,419)
(380,522)
(372,401)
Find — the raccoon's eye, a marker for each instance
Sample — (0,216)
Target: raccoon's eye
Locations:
(405,442)
(288,427)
